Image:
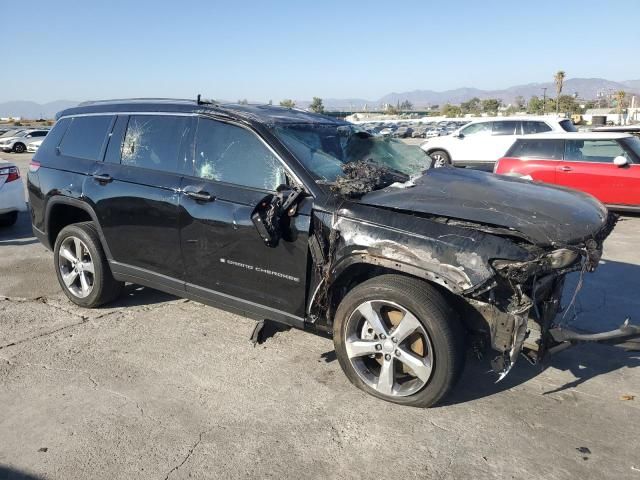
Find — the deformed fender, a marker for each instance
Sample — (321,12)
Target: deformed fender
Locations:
(456,258)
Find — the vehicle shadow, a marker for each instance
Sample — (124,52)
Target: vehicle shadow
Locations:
(607,297)
(137,295)
(19,233)
(584,362)
(8,473)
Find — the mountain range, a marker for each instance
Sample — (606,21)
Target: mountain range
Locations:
(586,88)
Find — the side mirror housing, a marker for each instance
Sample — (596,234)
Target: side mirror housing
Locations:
(460,136)
(620,161)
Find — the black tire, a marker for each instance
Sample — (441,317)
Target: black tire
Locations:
(8,219)
(440,158)
(19,147)
(104,288)
(441,323)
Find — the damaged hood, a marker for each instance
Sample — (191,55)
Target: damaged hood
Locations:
(546,215)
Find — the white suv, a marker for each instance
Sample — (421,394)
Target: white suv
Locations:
(483,141)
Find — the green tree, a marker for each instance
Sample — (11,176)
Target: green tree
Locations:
(568,104)
(558,78)
(491,105)
(287,102)
(472,106)
(316,105)
(535,105)
(406,105)
(451,111)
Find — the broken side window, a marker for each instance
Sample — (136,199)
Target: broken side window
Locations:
(232,154)
(153,141)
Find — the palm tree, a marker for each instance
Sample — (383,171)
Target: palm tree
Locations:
(620,103)
(559,79)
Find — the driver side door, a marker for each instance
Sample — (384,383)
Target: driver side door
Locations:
(226,260)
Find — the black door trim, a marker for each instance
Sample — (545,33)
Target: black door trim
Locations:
(141,276)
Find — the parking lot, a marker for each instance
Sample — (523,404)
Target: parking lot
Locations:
(159,387)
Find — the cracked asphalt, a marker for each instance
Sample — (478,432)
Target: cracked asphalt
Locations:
(158,387)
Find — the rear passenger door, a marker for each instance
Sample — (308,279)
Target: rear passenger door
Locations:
(226,260)
(135,192)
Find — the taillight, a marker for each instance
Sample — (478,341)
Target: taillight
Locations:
(34,166)
(12,173)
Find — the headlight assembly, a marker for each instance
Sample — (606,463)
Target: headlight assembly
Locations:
(561,258)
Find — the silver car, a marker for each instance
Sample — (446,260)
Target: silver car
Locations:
(19,141)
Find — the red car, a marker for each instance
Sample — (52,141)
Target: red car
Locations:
(606,165)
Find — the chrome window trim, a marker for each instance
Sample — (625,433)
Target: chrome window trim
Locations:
(201,115)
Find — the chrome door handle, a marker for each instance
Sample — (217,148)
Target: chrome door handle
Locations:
(566,169)
(103,178)
(200,196)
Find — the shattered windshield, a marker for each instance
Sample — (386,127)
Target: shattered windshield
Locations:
(326,149)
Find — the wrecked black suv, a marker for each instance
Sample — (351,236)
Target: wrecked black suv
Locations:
(298,218)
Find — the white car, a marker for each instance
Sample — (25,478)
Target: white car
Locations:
(32,147)
(483,141)
(11,193)
(18,143)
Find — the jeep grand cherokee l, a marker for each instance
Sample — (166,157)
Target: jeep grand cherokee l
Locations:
(303,219)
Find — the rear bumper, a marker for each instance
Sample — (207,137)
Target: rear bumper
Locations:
(12,197)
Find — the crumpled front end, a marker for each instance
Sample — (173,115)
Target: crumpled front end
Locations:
(521,303)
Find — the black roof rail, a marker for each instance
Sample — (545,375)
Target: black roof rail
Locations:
(136,99)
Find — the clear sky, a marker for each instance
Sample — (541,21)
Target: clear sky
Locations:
(260,50)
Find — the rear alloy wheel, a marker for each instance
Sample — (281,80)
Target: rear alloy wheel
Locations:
(397,339)
(440,158)
(76,267)
(19,148)
(82,268)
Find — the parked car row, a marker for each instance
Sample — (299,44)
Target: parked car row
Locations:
(18,140)
(413,129)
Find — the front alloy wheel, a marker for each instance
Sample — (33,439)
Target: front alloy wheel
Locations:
(398,339)
(389,348)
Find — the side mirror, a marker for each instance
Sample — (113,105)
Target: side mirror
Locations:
(460,136)
(620,161)
(271,215)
